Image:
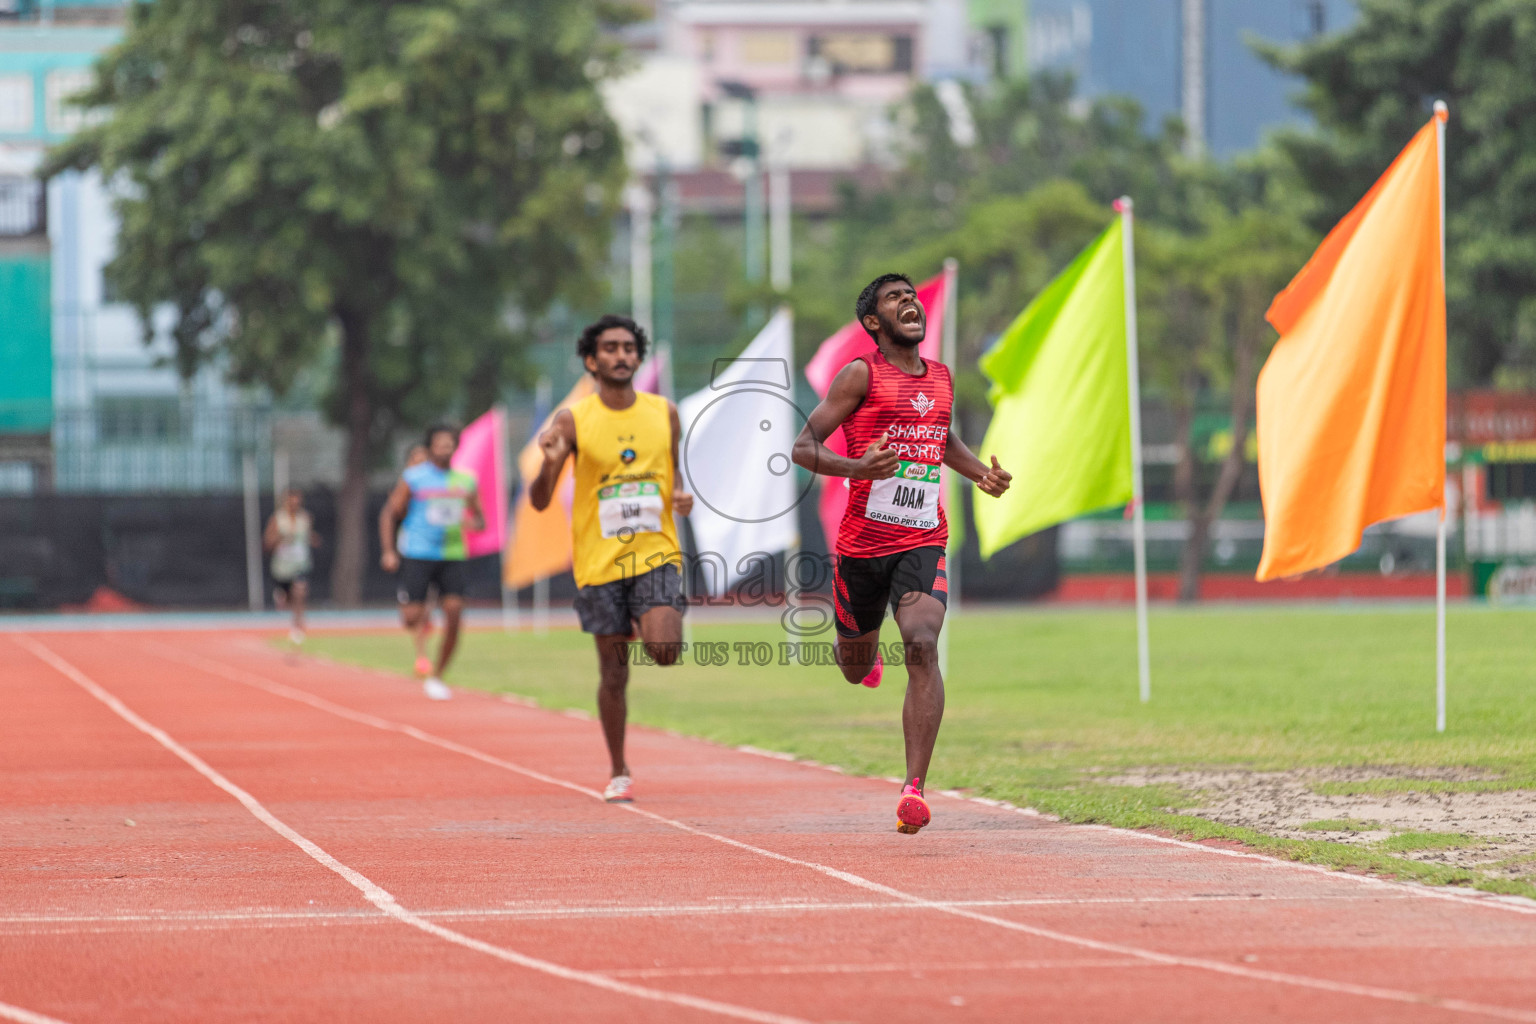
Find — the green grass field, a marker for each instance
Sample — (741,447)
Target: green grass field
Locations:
(1043,708)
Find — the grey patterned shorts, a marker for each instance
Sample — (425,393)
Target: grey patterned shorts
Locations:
(611,609)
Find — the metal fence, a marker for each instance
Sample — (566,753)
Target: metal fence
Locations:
(157,446)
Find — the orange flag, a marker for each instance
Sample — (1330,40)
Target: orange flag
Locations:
(540,544)
(1351,403)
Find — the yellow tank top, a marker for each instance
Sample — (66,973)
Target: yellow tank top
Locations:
(621,512)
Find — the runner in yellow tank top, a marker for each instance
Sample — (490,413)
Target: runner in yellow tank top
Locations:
(626,558)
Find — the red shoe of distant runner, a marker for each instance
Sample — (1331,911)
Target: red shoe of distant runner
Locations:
(873,679)
(424,667)
(912,811)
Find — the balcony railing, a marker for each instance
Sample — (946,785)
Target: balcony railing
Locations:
(23,207)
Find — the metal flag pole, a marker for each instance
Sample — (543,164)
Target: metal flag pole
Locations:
(252,505)
(1442,112)
(791,553)
(948,351)
(543,399)
(509,609)
(1125,208)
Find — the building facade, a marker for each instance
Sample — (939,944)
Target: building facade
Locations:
(85,405)
(1184,58)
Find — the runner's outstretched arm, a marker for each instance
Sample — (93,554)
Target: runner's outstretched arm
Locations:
(993,480)
(682,501)
(395,507)
(473,517)
(558,442)
(846,394)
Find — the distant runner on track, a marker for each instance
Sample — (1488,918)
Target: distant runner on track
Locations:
(431,505)
(626,557)
(895,410)
(290,538)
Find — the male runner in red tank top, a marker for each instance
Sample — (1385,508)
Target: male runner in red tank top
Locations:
(894,407)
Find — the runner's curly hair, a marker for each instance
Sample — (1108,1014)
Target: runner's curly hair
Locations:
(866,301)
(586,345)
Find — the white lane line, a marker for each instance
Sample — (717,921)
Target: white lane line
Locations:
(372,892)
(1486,900)
(22,1016)
(1170,959)
(22,924)
(778,970)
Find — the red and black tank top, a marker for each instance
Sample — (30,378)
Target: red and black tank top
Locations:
(902,513)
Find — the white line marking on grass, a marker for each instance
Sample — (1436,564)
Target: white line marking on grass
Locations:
(858,881)
(372,892)
(774,970)
(16,1013)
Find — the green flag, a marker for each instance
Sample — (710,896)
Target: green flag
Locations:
(1061,407)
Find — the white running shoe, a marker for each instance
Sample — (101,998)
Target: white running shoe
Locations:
(436,689)
(620,790)
(296,636)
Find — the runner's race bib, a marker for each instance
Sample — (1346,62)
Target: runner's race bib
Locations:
(910,498)
(626,509)
(290,559)
(445,511)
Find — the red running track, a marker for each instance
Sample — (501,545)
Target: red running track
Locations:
(195,828)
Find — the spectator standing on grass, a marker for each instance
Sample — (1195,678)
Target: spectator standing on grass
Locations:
(290,538)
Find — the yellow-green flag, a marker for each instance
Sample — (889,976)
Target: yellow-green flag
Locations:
(1061,407)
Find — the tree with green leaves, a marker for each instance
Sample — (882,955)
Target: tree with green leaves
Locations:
(1372,86)
(1214,244)
(387,185)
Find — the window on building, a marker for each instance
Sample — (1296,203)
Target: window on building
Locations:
(867,52)
(60,85)
(768,49)
(126,418)
(998,36)
(21,207)
(15,103)
(1511,481)
(1311,17)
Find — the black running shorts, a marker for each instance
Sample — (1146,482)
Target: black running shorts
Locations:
(417,574)
(611,609)
(864,586)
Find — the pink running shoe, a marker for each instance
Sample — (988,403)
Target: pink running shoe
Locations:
(873,679)
(423,667)
(912,811)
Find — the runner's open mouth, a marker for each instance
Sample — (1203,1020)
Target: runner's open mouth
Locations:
(909,315)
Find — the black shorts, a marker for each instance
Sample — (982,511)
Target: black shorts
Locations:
(417,574)
(611,609)
(864,586)
(285,587)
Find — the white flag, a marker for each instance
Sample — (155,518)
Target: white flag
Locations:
(735,456)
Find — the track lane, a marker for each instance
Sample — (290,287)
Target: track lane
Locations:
(1207,869)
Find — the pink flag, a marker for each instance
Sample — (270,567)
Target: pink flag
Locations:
(648,378)
(482,452)
(850,342)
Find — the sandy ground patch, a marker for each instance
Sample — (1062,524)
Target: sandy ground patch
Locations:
(1278,803)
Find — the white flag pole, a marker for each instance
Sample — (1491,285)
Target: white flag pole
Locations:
(508,495)
(948,352)
(1442,112)
(791,553)
(1124,207)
